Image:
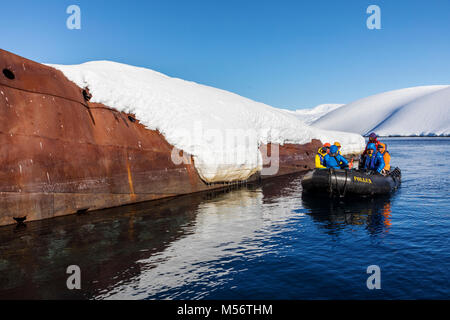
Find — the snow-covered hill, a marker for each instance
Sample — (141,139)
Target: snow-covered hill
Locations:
(416,111)
(222,130)
(308,116)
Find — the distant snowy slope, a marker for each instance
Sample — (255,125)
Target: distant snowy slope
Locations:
(310,115)
(406,112)
(428,115)
(200,119)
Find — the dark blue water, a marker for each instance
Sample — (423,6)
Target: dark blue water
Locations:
(262,241)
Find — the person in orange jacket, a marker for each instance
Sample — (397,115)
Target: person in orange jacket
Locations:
(386,156)
(327,146)
(337,144)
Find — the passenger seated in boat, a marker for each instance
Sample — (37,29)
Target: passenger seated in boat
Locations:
(321,153)
(335,160)
(327,146)
(373,138)
(374,159)
(337,144)
(386,157)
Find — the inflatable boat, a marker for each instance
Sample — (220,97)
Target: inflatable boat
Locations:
(344,182)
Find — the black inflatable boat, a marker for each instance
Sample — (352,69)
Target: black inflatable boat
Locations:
(343,182)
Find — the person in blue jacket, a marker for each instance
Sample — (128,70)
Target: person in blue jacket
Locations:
(332,159)
(374,160)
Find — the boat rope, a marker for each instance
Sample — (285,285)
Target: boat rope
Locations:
(44,93)
(85,104)
(345,184)
(336,183)
(335,186)
(330,183)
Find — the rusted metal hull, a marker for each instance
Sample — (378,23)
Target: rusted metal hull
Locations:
(60,154)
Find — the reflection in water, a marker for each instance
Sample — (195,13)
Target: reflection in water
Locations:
(334,214)
(105,245)
(214,240)
(387,215)
(185,247)
(261,241)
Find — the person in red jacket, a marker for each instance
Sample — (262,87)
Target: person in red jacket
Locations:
(373,138)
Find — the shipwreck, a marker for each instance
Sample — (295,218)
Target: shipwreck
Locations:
(61,154)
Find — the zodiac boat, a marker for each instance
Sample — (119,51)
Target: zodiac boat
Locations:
(343,182)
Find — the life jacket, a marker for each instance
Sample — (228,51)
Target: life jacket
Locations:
(339,161)
(375,162)
(375,142)
(339,154)
(386,156)
(387,160)
(319,158)
(372,161)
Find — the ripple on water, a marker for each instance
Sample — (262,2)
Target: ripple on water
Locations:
(262,241)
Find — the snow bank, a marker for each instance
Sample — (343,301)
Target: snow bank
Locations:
(417,111)
(222,130)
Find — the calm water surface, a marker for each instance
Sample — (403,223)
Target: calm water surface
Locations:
(261,241)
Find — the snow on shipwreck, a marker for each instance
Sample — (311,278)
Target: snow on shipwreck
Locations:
(107,138)
(221,130)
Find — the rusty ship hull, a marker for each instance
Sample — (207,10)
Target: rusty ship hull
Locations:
(61,154)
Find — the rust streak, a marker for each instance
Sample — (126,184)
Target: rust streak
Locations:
(130,182)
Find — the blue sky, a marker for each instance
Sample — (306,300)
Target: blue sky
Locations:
(289,54)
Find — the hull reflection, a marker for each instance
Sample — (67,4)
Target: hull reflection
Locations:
(333,214)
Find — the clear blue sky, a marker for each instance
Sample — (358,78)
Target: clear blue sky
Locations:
(290,54)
